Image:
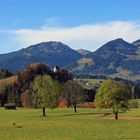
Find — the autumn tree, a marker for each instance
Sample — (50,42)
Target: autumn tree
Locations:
(62,75)
(73,93)
(65,75)
(45,92)
(26,77)
(113,94)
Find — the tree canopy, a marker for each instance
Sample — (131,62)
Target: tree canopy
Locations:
(45,92)
(73,93)
(113,94)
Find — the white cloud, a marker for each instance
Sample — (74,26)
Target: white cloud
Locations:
(84,36)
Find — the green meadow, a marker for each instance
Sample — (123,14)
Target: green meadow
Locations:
(63,124)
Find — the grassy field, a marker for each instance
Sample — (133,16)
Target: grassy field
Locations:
(8,80)
(63,124)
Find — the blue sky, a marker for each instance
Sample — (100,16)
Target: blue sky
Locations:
(79,23)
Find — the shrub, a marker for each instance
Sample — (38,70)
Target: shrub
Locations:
(86,105)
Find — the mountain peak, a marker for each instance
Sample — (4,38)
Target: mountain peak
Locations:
(115,49)
(51,45)
(119,40)
(118,45)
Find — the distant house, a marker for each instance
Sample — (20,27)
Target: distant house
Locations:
(10,106)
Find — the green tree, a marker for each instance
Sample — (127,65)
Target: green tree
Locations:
(113,94)
(73,93)
(45,92)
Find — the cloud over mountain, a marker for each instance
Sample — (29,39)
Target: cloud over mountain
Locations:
(89,36)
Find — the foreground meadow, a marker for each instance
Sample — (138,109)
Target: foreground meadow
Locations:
(63,124)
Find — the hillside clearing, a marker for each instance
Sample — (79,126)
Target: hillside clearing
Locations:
(9,80)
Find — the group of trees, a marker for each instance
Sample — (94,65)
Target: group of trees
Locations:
(47,92)
(5,73)
(28,76)
(39,87)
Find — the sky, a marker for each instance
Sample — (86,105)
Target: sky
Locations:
(84,24)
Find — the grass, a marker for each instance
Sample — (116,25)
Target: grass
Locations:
(9,80)
(137,100)
(63,124)
(91,83)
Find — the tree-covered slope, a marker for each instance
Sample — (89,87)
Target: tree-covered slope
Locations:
(51,53)
(115,58)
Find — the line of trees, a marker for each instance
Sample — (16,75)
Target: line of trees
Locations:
(39,87)
(5,73)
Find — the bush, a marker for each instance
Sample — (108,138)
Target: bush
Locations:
(86,105)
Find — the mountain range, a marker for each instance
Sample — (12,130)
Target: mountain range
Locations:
(116,58)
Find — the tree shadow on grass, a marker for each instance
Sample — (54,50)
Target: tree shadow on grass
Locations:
(81,114)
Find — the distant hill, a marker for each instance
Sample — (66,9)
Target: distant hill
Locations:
(83,51)
(51,53)
(116,58)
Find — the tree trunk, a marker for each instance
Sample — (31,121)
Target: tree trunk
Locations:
(115,111)
(44,113)
(116,116)
(75,110)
